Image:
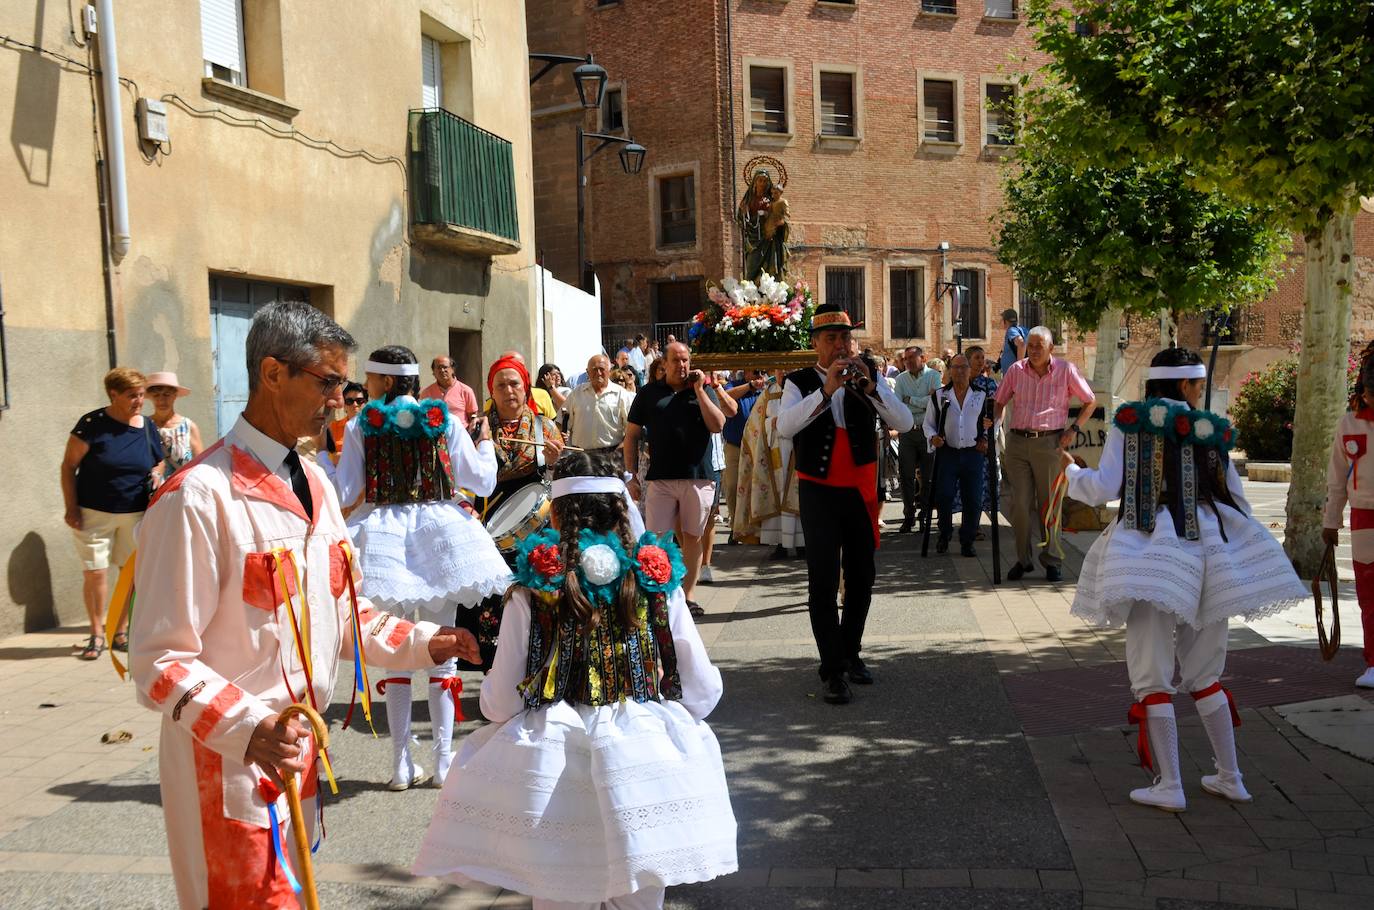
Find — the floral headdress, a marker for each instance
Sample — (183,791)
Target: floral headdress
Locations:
(1176,423)
(602,564)
(405,417)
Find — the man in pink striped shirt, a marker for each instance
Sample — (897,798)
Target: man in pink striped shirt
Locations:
(1041,386)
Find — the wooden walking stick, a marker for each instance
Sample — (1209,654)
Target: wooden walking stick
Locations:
(934,471)
(994,509)
(320,733)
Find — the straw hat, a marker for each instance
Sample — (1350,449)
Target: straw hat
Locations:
(167,378)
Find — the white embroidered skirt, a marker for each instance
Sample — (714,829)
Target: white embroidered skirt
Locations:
(584,804)
(426,557)
(1201,581)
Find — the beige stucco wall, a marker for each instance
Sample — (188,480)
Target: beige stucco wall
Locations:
(230,198)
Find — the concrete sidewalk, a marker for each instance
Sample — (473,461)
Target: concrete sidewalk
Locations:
(926,791)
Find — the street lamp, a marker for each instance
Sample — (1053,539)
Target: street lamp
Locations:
(631,160)
(589,77)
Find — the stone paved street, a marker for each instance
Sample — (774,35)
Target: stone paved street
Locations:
(931,790)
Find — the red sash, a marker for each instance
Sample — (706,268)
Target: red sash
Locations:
(845,473)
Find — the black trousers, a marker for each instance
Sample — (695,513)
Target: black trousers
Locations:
(839,535)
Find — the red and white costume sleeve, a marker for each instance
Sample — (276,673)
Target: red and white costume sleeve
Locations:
(1350,480)
(214,649)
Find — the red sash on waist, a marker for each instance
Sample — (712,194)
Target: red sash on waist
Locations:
(845,473)
(1361,519)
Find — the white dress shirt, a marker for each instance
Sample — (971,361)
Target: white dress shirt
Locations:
(798,411)
(961,421)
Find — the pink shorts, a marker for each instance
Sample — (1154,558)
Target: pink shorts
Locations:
(669,504)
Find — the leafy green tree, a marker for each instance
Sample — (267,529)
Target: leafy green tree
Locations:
(1138,239)
(1270,101)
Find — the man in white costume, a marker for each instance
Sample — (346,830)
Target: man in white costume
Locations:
(244,607)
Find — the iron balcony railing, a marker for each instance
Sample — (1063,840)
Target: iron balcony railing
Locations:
(461,175)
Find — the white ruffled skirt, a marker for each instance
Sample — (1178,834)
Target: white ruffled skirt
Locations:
(1201,581)
(584,804)
(426,558)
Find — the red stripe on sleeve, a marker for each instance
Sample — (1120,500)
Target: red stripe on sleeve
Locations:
(399,633)
(165,683)
(215,711)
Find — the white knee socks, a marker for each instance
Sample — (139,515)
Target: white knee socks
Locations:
(1215,712)
(405,773)
(1167,791)
(442,707)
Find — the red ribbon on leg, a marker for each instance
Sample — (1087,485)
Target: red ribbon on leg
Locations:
(454,685)
(1136,717)
(398,680)
(1213,689)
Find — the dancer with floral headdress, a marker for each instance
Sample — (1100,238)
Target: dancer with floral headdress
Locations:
(1182,557)
(1354,435)
(597,782)
(421,553)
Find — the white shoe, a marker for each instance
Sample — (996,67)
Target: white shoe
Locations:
(1170,798)
(1366,679)
(1227,786)
(705,577)
(407,773)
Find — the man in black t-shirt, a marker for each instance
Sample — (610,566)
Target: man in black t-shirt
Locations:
(678,414)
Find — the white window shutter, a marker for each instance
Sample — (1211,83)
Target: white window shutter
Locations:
(432,79)
(221,33)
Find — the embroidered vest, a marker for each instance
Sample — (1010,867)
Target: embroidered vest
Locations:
(405,452)
(602,665)
(1173,456)
(816,440)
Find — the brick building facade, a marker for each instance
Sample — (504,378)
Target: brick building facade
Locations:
(885,115)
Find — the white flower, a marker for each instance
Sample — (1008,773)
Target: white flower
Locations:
(1203,429)
(1352,446)
(1158,414)
(729,285)
(600,564)
(405,418)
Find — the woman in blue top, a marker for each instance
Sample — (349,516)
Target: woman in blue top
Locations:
(112,463)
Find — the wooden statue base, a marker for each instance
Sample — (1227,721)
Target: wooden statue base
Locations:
(754,360)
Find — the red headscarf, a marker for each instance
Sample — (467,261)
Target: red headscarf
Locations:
(511,363)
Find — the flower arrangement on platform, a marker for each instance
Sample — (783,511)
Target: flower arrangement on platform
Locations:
(747,316)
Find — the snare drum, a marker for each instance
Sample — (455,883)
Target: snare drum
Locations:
(525,511)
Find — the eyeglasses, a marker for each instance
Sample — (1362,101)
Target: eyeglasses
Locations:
(328,384)
(355,401)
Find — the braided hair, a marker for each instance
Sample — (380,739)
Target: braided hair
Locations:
(401,385)
(1366,383)
(600,512)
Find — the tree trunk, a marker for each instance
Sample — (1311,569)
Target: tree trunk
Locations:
(1108,355)
(1322,389)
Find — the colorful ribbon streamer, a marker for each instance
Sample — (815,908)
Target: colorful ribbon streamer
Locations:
(302,645)
(361,690)
(270,792)
(1052,515)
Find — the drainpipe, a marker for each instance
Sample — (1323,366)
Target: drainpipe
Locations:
(120,239)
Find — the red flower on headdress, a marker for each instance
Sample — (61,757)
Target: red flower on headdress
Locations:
(435,417)
(546,560)
(1128,416)
(1226,436)
(1182,425)
(653,562)
(375,417)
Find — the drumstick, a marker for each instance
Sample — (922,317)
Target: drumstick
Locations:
(531,442)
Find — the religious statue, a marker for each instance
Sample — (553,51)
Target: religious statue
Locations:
(762,217)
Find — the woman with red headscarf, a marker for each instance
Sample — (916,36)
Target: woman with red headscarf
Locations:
(526,441)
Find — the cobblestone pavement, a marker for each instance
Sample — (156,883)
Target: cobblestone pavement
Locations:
(927,791)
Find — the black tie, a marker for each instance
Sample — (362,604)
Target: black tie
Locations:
(299,484)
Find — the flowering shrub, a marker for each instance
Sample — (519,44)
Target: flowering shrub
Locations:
(1263,408)
(742,316)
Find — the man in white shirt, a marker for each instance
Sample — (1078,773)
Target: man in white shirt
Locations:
(245,580)
(914,386)
(639,359)
(598,408)
(954,428)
